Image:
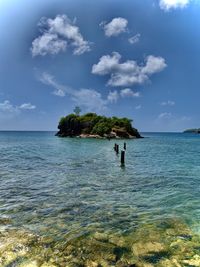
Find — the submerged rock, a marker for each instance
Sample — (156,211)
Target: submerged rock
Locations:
(5,221)
(195,261)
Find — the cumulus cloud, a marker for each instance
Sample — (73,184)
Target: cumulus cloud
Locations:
(153,65)
(113,96)
(8,111)
(27,106)
(172,4)
(129,72)
(115,27)
(107,64)
(8,108)
(165,115)
(127,92)
(57,34)
(48,44)
(167,103)
(134,39)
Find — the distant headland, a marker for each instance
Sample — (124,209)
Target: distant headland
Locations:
(195,130)
(91,125)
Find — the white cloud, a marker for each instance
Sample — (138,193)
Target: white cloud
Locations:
(27,106)
(165,115)
(48,44)
(127,92)
(113,96)
(138,107)
(107,64)
(153,65)
(167,103)
(48,79)
(87,98)
(134,39)
(172,4)
(129,72)
(7,108)
(115,27)
(56,35)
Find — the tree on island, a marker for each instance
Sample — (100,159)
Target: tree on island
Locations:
(93,125)
(77,110)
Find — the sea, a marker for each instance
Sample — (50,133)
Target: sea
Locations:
(70,202)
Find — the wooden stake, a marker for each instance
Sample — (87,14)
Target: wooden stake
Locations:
(115,146)
(122,157)
(124,146)
(117,149)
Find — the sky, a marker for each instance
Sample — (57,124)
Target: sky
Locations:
(130,58)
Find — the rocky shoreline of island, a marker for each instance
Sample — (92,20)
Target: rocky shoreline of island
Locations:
(91,125)
(96,136)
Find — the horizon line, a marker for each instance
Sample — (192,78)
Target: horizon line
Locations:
(57,130)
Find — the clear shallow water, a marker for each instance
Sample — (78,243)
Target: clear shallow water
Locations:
(61,185)
(65,188)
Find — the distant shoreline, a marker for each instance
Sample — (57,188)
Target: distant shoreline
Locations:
(194,131)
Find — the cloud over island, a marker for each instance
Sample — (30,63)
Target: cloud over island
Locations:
(127,73)
(90,99)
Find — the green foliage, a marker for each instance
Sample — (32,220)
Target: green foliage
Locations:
(88,117)
(63,120)
(102,127)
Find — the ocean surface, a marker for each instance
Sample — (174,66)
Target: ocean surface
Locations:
(66,188)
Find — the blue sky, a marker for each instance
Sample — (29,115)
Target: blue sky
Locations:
(133,58)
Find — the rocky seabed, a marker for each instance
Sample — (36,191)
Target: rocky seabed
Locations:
(169,243)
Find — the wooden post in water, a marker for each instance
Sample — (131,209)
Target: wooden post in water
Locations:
(122,158)
(117,149)
(115,146)
(124,146)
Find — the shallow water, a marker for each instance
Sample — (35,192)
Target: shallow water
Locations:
(66,188)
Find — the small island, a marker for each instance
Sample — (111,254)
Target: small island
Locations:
(91,125)
(195,131)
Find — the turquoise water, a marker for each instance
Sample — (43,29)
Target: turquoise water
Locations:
(64,185)
(65,188)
